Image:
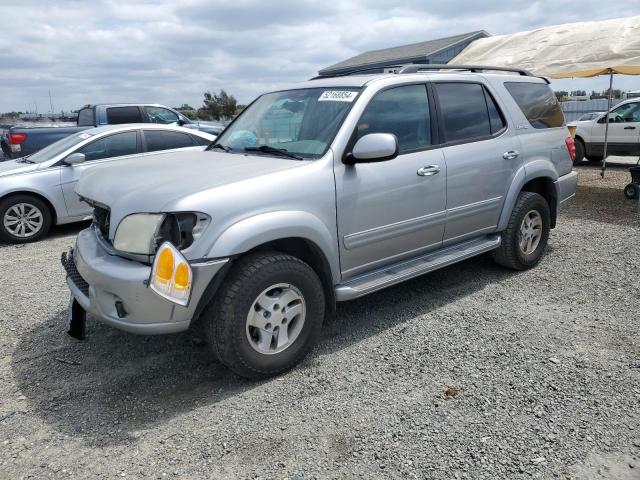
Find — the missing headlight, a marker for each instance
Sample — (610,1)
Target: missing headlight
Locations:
(179,229)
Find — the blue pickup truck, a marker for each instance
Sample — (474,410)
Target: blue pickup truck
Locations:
(20,141)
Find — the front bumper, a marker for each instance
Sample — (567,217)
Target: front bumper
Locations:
(115,290)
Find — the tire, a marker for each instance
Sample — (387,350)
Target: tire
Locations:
(34,212)
(632,191)
(243,301)
(579,151)
(510,254)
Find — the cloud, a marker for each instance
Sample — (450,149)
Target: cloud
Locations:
(171,51)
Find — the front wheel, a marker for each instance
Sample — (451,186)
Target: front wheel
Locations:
(525,238)
(23,219)
(632,191)
(267,315)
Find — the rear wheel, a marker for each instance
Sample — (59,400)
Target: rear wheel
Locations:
(267,315)
(525,238)
(23,219)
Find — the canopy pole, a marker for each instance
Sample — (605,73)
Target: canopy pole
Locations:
(606,128)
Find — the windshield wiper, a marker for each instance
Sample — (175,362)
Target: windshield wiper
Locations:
(220,146)
(25,160)
(283,152)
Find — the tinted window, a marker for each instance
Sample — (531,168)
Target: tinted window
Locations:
(495,116)
(538,103)
(464,111)
(85,117)
(161,140)
(117,115)
(201,141)
(403,111)
(116,145)
(160,115)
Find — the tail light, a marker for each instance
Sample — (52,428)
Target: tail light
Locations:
(16,138)
(571,146)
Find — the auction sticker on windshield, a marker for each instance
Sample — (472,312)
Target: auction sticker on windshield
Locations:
(337,96)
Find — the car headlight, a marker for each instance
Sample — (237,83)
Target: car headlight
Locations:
(136,233)
(171,275)
(142,233)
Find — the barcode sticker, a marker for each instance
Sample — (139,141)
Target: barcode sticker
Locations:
(338,96)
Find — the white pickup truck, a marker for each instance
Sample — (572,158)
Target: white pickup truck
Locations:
(623,138)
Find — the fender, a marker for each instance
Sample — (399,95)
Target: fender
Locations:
(266,227)
(526,173)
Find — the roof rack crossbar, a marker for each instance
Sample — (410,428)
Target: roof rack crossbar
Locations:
(471,68)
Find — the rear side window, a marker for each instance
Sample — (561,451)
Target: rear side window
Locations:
(403,111)
(538,103)
(160,140)
(118,115)
(464,110)
(85,117)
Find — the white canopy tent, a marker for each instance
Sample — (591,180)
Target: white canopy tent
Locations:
(584,49)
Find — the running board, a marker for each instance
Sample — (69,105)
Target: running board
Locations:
(399,272)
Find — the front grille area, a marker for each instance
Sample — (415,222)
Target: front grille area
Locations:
(69,265)
(101,219)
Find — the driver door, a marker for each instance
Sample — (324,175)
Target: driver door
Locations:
(624,131)
(391,210)
(101,150)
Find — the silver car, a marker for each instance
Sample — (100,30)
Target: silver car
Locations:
(323,192)
(37,191)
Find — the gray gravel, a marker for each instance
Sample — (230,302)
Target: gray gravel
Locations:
(541,368)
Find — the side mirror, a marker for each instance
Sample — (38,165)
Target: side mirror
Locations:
(75,158)
(374,147)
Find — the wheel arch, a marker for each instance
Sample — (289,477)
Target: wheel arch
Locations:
(539,177)
(39,196)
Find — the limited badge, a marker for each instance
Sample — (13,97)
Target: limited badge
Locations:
(338,96)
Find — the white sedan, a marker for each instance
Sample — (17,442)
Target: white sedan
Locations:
(37,191)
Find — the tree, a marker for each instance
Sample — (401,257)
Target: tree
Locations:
(218,105)
(561,95)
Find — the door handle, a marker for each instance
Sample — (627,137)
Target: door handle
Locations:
(629,128)
(511,154)
(428,170)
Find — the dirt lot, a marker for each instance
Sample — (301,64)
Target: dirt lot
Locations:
(542,369)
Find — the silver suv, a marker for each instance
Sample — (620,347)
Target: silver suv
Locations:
(320,193)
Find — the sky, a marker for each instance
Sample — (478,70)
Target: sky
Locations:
(171,51)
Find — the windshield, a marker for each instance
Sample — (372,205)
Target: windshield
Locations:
(56,148)
(302,122)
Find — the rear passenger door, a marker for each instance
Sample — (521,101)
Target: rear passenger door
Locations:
(482,157)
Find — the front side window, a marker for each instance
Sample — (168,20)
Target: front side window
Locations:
(119,115)
(402,111)
(629,112)
(85,117)
(161,115)
(116,145)
(464,111)
(160,140)
(302,122)
(538,103)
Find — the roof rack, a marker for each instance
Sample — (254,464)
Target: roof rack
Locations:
(419,67)
(471,68)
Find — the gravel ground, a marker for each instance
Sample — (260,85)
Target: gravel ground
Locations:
(470,372)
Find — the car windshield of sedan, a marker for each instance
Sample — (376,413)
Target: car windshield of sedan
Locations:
(298,123)
(56,148)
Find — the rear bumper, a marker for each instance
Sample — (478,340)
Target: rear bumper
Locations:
(101,281)
(566,186)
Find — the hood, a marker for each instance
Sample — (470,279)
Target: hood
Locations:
(147,184)
(13,167)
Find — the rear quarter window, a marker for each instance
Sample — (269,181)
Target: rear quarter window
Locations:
(538,103)
(119,115)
